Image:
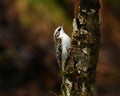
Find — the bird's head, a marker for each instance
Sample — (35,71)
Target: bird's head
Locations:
(58,31)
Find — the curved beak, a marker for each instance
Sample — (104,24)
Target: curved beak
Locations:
(62,25)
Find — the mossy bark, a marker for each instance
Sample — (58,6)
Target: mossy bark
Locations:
(80,70)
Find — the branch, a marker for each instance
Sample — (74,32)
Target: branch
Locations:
(80,70)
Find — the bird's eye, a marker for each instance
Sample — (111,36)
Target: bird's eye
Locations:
(59,29)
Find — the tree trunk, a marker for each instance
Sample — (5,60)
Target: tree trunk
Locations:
(80,70)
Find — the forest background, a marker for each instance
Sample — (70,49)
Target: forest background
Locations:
(28,65)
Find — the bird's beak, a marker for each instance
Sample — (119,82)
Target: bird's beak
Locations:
(62,25)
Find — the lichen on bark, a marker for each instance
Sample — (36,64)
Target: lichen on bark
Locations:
(80,70)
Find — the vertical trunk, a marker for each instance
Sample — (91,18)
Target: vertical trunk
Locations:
(80,70)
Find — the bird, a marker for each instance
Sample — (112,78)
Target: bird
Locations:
(62,44)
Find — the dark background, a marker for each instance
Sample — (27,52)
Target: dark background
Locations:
(28,65)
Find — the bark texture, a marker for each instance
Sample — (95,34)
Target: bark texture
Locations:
(80,70)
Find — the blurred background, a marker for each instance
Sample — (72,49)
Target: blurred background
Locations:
(28,65)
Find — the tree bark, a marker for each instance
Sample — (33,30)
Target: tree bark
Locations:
(80,70)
